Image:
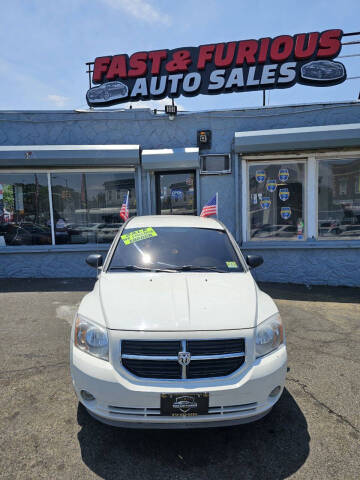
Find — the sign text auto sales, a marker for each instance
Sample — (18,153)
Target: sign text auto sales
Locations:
(239,66)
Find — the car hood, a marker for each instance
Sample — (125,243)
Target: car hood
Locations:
(178,301)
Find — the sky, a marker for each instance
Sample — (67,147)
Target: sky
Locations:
(45,44)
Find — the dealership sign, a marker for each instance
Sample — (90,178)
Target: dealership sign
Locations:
(240,66)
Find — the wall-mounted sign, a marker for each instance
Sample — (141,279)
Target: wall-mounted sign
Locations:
(204,139)
(238,66)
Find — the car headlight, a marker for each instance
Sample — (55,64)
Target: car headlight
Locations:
(269,335)
(91,338)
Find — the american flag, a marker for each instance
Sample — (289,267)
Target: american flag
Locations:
(124,211)
(211,208)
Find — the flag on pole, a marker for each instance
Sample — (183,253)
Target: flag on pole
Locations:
(124,211)
(211,208)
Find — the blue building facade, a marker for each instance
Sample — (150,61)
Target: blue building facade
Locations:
(287,178)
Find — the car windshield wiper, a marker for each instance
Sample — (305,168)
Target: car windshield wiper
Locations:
(188,268)
(133,268)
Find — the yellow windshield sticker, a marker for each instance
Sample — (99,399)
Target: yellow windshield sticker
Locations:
(137,235)
(231,264)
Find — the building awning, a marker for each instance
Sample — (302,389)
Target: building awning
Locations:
(303,138)
(171,158)
(30,156)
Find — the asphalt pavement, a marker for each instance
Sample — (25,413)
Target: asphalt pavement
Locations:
(312,433)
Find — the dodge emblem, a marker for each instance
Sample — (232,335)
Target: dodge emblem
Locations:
(184,358)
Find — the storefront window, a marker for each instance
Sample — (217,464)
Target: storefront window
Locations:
(176,194)
(87,206)
(24,209)
(339,199)
(277,201)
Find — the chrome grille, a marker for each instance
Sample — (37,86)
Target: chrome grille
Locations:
(147,412)
(160,359)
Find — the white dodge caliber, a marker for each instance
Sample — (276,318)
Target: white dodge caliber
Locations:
(176,333)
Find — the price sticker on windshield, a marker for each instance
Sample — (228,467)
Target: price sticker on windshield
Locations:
(138,235)
(231,264)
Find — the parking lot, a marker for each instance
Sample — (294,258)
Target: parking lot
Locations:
(312,433)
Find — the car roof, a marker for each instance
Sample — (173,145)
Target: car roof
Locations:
(174,221)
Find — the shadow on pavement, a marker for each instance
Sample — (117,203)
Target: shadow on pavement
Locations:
(13,285)
(272,448)
(314,293)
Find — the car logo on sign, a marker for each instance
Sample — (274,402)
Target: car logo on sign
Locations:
(325,71)
(184,358)
(184,404)
(107,92)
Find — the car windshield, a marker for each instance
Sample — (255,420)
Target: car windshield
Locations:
(175,249)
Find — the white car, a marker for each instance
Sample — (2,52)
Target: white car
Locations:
(176,333)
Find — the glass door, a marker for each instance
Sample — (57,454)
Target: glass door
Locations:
(176,193)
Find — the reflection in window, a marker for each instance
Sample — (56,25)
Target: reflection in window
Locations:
(87,206)
(339,199)
(24,210)
(176,193)
(277,201)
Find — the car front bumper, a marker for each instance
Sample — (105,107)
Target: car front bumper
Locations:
(237,399)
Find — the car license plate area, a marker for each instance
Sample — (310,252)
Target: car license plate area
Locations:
(184,404)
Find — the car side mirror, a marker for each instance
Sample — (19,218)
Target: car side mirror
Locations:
(254,260)
(95,260)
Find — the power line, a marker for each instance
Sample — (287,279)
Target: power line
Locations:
(355,42)
(352,55)
(351,34)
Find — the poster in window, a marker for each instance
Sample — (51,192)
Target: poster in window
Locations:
(260,176)
(265,203)
(285,213)
(284,174)
(284,194)
(271,185)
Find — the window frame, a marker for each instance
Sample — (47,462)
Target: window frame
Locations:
(330,156)
(311,160)
(246,205)
(157,175)
(49,171)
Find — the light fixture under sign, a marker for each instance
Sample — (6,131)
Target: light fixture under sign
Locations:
(171,110)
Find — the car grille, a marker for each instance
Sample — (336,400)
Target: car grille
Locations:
(159,359)
(150,412)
